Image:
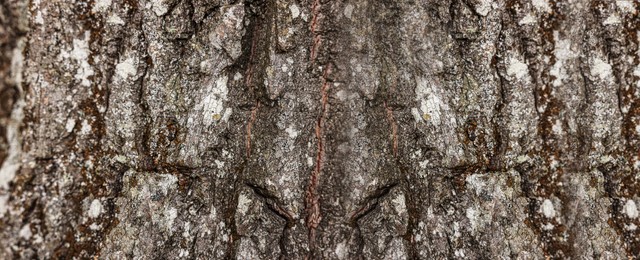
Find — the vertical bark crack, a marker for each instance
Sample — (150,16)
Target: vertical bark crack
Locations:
(314,216)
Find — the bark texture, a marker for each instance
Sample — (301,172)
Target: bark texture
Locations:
(317,129)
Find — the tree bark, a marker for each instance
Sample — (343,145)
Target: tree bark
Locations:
(317,129)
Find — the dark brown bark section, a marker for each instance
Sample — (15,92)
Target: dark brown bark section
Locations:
(12,29)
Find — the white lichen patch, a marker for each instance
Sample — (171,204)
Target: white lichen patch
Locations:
(557,127)
(86,128)
(80,54)
(456,230)
(612,19)
(295,11)
(292,132)
(212,104)
(309,161)
(186,229)
(476,182)
(484,7)
(3,204)
(168,182)
(165,218)
(630,209)
(431,106)
(101,5)
(348,11)
(600,69)
(159,7)
(548,226)
(227,154)
(38,18)
(422,227)
(243,204)
(94,226)
(626,6)
(636,163)
(554,164)
(25,232)
(424,164)
(342,95)
(237,76)
(219,164)
(522,158)
(417,153)
(227,114)
(399,204)
(547,209)
(473,215)
(95,209)
(528,19)
(115,19)
(341,250)
(126,68)
(170,214)
(71,123)
(304,16)
(563,53)
(517,69)
(35,5)
(416,115)
(541,5)
(88,164)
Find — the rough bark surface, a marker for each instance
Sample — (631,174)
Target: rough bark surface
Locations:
(317,129)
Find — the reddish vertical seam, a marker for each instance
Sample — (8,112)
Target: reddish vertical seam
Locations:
(313,200)
(247,83)
(315,37)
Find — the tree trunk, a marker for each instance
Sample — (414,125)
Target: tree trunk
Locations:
(317,129)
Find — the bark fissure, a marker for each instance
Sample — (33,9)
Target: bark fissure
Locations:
(314,215)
